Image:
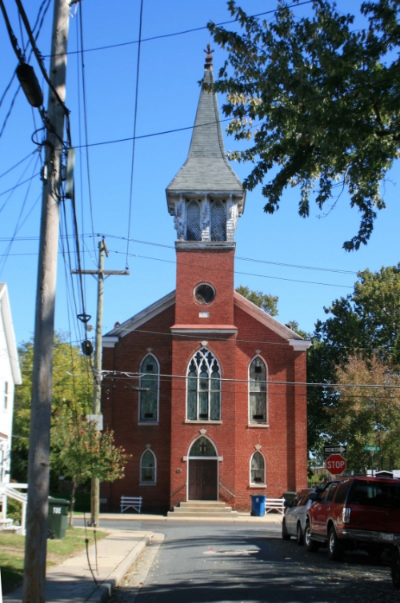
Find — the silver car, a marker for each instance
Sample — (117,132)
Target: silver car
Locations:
(294,520)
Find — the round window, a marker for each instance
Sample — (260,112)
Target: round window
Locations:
(204,294)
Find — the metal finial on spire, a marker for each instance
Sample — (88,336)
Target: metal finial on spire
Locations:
(209,59)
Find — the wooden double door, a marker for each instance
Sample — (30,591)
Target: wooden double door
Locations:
(203,479)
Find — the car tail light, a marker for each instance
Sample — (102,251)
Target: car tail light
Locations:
(346,514)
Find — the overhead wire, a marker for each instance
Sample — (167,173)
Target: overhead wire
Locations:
(134,129)
(186,31)
(85,117)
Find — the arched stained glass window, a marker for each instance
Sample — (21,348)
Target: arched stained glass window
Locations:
(193,230)
(257,469)
(148,405)
(258,391)
(218,221)
(148,467)
(203,388)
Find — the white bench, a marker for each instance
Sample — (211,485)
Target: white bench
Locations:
(275,504)
(131,501)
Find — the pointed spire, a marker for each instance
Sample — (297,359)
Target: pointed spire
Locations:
(206,168)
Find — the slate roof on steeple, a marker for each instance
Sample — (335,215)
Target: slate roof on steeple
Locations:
(206,168)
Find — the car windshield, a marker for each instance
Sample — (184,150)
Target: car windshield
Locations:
(376,494)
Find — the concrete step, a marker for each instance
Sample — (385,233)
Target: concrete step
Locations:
(203,504)
(202,508)
(225,511)
(5,524)
(12,530)
(194,514)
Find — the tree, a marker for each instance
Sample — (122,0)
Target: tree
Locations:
(268,303)
(72,388)
(365,323)
(319,97)
(83,453)
(367,416)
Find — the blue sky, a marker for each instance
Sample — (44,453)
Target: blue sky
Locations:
(170,69)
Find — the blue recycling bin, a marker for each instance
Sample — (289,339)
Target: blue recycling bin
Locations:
(258,505)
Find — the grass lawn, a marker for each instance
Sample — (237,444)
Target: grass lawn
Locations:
(12,553)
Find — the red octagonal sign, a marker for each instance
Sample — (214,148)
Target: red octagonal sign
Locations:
(336,464)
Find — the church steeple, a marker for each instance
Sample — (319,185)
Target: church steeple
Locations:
(206,196)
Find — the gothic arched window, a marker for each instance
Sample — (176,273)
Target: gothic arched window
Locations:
(257,469)
(258,391)
(148,468)
(193,229)
(148,400)
(203,388)
(218,221)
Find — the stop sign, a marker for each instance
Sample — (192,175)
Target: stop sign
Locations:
(336,464)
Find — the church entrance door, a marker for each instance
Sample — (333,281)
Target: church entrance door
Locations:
(203,470)
(203,479)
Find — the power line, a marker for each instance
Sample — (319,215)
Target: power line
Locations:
(85,117)
(134,375)
(180,33)
(134,129)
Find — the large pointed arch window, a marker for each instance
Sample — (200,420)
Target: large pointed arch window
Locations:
(203,388)
(193,230)
(218,221)
(258,391)
(149,384)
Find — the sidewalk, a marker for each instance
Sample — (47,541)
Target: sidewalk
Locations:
(72,580)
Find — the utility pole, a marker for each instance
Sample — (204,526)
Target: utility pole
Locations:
(97,365)
(39,439)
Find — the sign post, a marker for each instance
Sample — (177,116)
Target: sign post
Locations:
(336,464)
(372,450)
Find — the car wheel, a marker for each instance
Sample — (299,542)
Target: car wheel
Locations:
(285,533)
(299,535)
(310,545)
(335,547)
(396,569)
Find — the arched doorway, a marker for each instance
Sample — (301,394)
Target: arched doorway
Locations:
(203,470)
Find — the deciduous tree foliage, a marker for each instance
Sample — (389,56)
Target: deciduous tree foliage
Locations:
(365,323)
(368,417)
(268,303)
(72,388)
(82,453)
(317,98)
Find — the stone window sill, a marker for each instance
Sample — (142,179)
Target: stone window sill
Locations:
(204,422)
(148,423)
(147,483)
(262,425)
(257,485)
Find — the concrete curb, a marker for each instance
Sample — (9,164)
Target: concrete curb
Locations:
(276,519)
(104,590)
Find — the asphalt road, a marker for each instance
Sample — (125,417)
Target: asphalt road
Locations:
(250,563)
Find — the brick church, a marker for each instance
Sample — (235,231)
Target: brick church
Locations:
(221,411)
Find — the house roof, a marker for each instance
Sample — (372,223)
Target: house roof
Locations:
(5,312)
(293,339)
(206,168)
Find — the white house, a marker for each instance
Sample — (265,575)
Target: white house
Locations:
(10,375)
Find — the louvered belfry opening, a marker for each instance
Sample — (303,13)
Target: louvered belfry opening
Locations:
(218,221)
(193,229)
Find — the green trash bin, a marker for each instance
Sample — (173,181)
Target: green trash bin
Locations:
(58,517)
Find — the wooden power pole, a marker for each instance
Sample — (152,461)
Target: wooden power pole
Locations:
(97,364)
(39,440)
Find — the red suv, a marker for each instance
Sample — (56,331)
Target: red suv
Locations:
(354,513)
